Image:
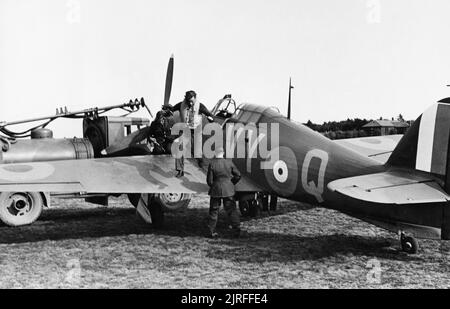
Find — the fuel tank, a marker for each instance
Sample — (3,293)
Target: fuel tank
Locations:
(47,149)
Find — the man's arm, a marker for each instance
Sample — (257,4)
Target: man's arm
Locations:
(236,174)
(205,111)
(171,108)
(177,107)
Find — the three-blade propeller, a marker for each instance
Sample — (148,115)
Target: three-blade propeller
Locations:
(140,135)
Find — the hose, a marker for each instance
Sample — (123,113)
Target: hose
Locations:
(14,135)
(6,142)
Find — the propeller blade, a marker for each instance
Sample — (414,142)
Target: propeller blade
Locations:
(169,80)
(127,141)
(289,101)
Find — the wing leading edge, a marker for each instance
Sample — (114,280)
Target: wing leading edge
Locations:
(145,174)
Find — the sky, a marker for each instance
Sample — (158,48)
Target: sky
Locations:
(347,59)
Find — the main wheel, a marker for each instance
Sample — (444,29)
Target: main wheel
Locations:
(273,203)
(172,202)
(255,208)
(244,207)
(20,208)
(250,208)
(265,202)
(157,214)
(409,244)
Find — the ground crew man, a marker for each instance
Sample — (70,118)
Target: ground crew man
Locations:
(160,132)
(221,178)
(191,111)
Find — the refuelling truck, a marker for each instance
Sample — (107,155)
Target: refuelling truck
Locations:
(38,144)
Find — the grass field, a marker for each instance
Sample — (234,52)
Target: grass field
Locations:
(78,245)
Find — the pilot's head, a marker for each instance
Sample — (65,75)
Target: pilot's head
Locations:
(190,97)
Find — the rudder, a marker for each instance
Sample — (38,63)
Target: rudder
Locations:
(425,147)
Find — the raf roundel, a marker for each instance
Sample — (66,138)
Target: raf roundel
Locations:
(282,175)
(24,172)
(280,171)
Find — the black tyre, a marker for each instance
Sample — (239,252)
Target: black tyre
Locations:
(173,202)
(255,208)
(273,203)
(244,207)
(20,208)
(157,214)
(250,208)
(409,245)
(265,202)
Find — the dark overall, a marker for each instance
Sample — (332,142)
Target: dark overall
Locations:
(222,176)
(160,130)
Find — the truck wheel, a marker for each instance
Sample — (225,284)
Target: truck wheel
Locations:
(20,208)
(173,202)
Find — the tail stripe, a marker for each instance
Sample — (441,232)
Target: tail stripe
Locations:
(441,140)
(426,139)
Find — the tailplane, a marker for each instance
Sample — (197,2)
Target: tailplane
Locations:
(425,147)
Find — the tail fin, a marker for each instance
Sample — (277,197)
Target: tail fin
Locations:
(425,147)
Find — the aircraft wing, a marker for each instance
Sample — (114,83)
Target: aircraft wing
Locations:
(147,174)
(377,147)
(399,187)
(144,174)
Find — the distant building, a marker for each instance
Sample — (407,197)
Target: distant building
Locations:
(386,127)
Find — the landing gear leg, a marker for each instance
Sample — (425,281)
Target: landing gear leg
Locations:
(409,244)
(273,203)
(150,211)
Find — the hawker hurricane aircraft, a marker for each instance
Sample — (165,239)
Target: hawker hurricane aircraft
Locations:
(407,194)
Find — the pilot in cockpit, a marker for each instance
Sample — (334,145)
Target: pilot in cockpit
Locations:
(191,111)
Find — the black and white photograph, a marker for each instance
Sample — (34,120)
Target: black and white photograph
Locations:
(224,150)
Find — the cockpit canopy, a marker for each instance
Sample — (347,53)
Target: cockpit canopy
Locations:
(225,108)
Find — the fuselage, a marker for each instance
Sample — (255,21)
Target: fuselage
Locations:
(307,161)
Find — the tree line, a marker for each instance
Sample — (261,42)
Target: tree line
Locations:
(349,128)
